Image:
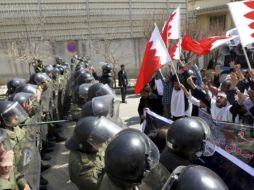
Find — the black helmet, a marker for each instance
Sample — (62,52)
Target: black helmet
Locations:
(194,178)
(85,77)
(40,78)
(79,66)
(98,106)
(93,89)
(91,131)
(28,88)
(49,69)
(61,69)
(14,83)
(77,73)
(129,156)
(22,97)
(189,138)
(106,68)
(83,90)
(31,79)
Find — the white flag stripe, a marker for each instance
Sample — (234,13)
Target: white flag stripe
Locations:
(221,42)
(175,30)
(238,10)
(159,46)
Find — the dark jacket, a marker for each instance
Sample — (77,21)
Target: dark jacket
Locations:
(152,102)
(122,78)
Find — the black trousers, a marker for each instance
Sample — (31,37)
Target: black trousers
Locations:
(123,92)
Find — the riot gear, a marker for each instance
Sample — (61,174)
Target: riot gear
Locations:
(83,90)
(22,97)
(84,78)
(106,77)
(13,84)
(61,69)
(41,78)
(93,89)
(106,70)
(99,89)
(128,157)
(28,88)
(49,69)
(188,138)
(194,178)
(90,132)
(77,73)
(12,113)
(98,106)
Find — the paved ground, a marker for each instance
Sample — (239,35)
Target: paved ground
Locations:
(58,176)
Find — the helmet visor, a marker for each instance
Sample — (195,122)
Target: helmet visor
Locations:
(83,90)
(14,115)
(153,155)
(102,105)
(103,132)
(105,90)
(209,146)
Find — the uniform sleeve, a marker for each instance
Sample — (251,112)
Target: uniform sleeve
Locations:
(83,173)
(20,179)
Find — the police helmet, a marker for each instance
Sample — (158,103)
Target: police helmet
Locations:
(188,137)
(129,156)
(194,178)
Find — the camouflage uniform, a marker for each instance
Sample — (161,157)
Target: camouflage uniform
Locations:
(86,169)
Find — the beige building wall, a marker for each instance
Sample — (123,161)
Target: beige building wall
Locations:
(203,10)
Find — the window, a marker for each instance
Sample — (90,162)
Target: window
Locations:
(218,22)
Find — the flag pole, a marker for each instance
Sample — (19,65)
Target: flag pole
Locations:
(246,56)
(175,71)
(240,36)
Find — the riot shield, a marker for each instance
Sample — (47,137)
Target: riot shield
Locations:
(115,113)
(30,154)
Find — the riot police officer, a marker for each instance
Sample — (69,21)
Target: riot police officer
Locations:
(12,85)
(187,140)
(86,160)
(99,106)
(99,89)
(128,158)
(194,178)
(106,77)
(12,114)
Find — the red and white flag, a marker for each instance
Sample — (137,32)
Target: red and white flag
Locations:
(175,51)
(156,55)
(204,46)
(243,16)
(171,29)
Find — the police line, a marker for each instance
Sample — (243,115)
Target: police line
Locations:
(154,121)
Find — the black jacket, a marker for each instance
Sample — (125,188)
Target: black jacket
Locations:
(122,78)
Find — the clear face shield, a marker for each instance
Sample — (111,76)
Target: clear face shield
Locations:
(173,178)
(103,132)
(14,115)
(83,90)
(153,154)
(208,146)
(103,105)
(105,90)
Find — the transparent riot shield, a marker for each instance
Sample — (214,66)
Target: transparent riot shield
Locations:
(30,153)
(115,113)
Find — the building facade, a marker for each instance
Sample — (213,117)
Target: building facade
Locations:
(112,31)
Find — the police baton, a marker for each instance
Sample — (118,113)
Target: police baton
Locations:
(44,122)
